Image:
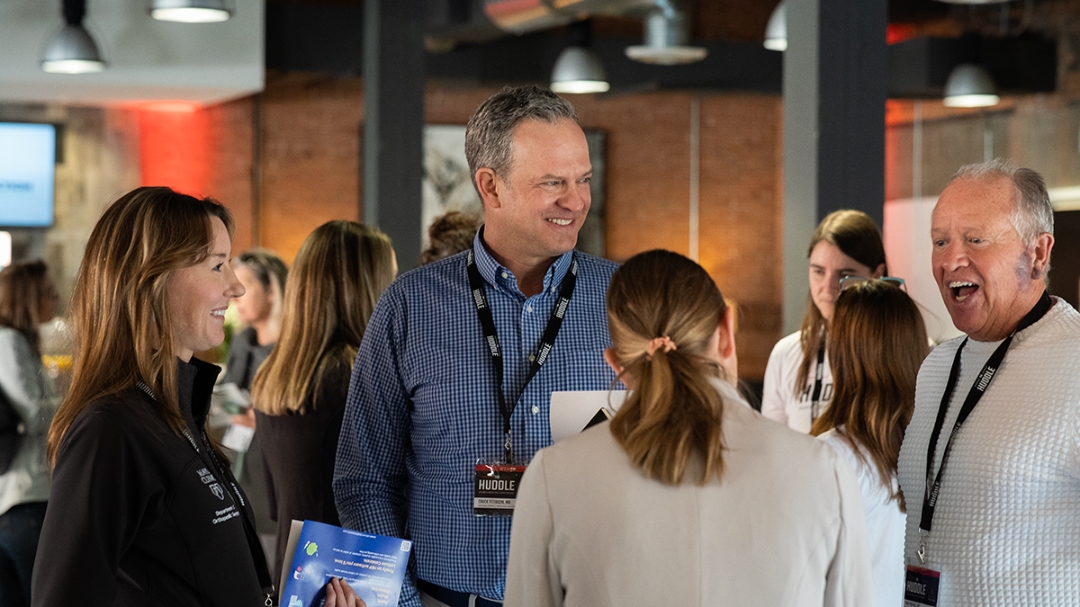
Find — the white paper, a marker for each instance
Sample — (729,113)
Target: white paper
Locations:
(290,548)
(571,410)
(237,437)
(232,394)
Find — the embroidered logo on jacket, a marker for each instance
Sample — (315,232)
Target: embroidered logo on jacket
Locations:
(208,479)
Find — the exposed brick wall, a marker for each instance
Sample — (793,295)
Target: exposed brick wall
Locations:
(310,157)
(311,173)
(288,160)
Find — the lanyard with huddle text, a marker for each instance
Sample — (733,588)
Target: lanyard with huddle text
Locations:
(547,341)
(214,463)
(933,483)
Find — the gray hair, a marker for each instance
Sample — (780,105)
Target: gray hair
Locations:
(1033,214)
(490,130)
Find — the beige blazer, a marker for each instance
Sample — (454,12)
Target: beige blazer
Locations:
(783,527)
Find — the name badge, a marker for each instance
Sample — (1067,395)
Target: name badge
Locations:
(495,489)
(921,587)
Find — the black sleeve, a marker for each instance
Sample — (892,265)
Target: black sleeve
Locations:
(101,488)
(268,477)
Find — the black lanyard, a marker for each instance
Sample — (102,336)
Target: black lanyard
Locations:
(933,483)
(547,341)
(819,373)
(254,545)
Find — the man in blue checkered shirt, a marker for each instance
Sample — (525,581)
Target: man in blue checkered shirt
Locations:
(423,405)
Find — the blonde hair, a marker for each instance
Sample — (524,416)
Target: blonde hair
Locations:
(673,416)
(119,304)
(877,341)
(858,237)
(336,279)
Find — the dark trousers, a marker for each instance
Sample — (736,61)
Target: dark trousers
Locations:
(20,528)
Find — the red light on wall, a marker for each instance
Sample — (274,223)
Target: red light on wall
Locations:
(899,32)
(170,106)
(173,146)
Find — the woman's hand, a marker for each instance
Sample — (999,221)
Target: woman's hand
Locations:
(340,594)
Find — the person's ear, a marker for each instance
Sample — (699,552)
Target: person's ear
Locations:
(725,347)
(878,271)
(488,186)
(613,361)
(1044,243)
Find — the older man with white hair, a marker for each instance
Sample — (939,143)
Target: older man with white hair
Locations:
(990,465)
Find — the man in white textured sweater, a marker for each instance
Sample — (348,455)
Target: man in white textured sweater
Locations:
(994,519)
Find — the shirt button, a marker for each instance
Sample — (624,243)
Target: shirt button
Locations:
(536,409)
(532,358)
(528,309)
(505,275)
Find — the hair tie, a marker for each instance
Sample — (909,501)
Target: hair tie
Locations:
(657,343)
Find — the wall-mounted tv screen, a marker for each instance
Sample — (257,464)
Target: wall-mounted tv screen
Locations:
(27,174)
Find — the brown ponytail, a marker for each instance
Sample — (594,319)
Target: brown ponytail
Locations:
(672,419)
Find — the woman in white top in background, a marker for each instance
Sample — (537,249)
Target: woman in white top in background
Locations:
(798,379)
(687,496)
(27,299)
(877,341)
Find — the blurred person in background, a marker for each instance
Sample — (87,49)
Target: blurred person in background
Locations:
(144,508)
(27,299)
(798,378)
(449,234)
(877,340)
(299,393)
(263,275)
(665,504)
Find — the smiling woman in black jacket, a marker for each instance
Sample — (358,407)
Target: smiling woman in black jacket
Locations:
(145,511)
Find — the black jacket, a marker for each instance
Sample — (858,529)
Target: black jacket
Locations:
(138,517)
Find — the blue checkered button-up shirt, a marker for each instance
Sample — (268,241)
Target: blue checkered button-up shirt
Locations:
(422,408)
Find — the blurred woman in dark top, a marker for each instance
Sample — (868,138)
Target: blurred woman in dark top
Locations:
(299,392)
(263,275)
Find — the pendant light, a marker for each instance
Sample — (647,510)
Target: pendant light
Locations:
(578,69)
(72,50)
(970,85)
(190,11)
(776,30)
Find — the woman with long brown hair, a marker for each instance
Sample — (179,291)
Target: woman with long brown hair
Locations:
(687,496)
(27,299)
(299,392)
(798,378)
(144,509)
(877,341)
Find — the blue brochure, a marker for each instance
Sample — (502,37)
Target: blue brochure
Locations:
(374,565)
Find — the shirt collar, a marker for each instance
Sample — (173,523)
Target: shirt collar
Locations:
(493,272)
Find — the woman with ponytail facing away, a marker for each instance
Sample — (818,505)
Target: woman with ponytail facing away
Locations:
(687,496)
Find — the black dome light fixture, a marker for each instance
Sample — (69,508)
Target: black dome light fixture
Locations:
(72,50)
(190,11)
(969,83)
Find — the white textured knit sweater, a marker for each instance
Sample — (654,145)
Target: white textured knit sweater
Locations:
(1007,526)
